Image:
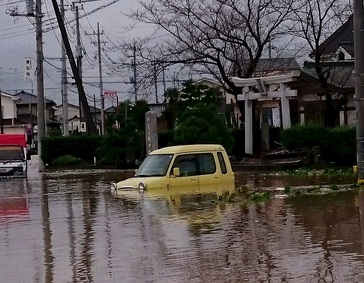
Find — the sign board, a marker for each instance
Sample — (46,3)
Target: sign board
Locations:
(110,93)
(151,131)
(82,127)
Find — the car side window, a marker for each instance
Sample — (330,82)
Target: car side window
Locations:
(186,164)
(222,163)
(206,164)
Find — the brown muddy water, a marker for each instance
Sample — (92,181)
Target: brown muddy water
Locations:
(65,226)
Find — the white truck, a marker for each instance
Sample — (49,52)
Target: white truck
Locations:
(13,155)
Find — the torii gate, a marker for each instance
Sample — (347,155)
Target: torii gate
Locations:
(263,85)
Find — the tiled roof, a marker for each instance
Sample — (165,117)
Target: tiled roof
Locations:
(341,73)
(111,109)
(5,94)
(270,66)
(32,119)
(276,65)
(29,98)
(93,109)
(69,105)
(343,36)
(349,47)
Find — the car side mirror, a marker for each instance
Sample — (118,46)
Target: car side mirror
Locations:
(176,172)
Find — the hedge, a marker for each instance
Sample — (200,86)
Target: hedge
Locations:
(83,147)
(336,145)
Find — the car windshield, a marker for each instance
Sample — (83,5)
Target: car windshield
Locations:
(154,165)
(11,153)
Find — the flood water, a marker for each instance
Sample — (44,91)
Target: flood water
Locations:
(65,226)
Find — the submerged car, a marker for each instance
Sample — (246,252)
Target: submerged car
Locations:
(182,169)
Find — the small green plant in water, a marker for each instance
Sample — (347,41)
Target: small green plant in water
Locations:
(243,190)
(260,197)
(334,187)
(287,189)
(65,160)
(314,190)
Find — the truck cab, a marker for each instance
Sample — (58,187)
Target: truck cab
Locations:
(13,156)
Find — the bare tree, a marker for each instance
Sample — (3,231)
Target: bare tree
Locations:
(315,22)
(222,38)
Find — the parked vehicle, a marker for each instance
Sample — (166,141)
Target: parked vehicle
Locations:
(183,169)
(13,155)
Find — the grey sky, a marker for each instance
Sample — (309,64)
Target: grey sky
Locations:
(17,42)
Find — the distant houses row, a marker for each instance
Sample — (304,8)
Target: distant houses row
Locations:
(19,115)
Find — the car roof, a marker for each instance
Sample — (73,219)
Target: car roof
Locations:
(188,148)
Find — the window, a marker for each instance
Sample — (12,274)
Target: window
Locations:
(341,56)
(222,163)
(195,164)
(186,164)
(154,165)
(11,153)
(206,164)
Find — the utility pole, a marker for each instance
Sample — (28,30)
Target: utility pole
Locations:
(101,84)
(1,115)
(79,58)
(135,74)
(89,121)
(64,82)
(359,84)
(155,81)
(40,82)
(164,80)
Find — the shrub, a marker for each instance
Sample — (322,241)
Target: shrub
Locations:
(298,137)
(83,147)
(68,160)
(336,145)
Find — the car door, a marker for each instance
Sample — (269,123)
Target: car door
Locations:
(227,175)
(187,181)
(209,177)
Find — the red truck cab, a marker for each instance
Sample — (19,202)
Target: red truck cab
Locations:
(13,155)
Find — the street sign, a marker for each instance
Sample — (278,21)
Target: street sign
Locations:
(35,129)
(110,93)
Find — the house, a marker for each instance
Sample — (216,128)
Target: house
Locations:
(19,115)
(26,105)
(74,117)
(9,122)
(338,59)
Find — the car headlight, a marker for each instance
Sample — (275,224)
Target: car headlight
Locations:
(142,187)
(113,186)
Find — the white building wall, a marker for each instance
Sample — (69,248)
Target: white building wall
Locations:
(72,112)
(8,107)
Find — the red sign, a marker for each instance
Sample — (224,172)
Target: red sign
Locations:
(110,93)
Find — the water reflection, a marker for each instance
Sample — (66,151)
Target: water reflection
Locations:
(47,233)
(65,226)
(14,205)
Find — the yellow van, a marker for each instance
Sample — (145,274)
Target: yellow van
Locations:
(182,169)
